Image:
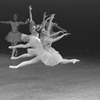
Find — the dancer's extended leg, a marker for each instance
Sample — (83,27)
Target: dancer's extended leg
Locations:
(19,46)
(21,56)
(66,61)
(16,51)
(25,63)
(13,50)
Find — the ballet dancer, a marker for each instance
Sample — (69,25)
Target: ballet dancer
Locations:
(14,36)
(47,41)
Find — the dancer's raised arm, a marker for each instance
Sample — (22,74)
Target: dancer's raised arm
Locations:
(44,16)
(30,14)
(44,22)
(50,23)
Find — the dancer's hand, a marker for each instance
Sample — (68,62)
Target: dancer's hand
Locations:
(30,7)
(68,33)
(27,20)
(65,34)
(10,47)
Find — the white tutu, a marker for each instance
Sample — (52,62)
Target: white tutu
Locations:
(51,57)
(13,36)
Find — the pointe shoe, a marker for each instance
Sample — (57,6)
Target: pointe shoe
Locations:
(75,60)
(10,47)
(14,58)
(13,67)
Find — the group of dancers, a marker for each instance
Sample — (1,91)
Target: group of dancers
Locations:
(38,43)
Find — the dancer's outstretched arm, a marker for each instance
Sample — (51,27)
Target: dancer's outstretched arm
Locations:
(20,46)
(7,22)
(44,22)
(22,23)
(58,38)
(55,33)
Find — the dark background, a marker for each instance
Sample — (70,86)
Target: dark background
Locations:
(79,17)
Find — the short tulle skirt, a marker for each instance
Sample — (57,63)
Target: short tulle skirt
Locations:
(51,57)
(13,37)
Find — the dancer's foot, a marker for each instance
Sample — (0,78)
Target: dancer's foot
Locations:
(75,60)
(13,67)
(10,47)
(14,58)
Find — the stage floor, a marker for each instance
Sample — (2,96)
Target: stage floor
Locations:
(80,81)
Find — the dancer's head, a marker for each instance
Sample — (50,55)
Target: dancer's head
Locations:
(43,30)
(15,17)
(43,33)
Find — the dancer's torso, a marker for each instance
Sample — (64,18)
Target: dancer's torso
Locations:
(47,42)
(35,42)
(14,26)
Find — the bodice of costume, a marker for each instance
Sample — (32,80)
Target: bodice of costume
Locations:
(14,26)
(47,42)
(34,42)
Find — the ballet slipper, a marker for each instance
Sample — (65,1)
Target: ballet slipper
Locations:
(14,58)
(75,60)
(13,67)
(10,47)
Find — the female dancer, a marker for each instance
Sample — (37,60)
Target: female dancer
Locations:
(48,55)
(14,36)
(47,41)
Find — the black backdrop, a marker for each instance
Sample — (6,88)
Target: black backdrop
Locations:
(79,17)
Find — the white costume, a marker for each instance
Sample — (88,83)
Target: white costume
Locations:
(34,43)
